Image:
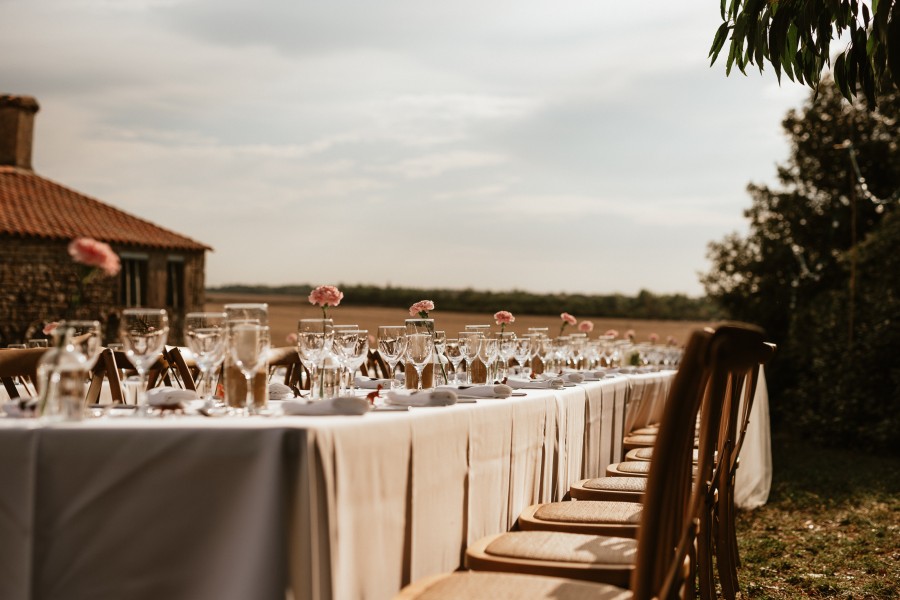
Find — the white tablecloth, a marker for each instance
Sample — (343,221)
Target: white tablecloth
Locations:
(325,507)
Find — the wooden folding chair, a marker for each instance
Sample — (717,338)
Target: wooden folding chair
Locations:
(674,500)
(19,365)
(603,558)
(105,368)
(186,374)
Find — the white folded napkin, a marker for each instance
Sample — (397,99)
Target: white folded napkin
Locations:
(592,375)
(438,397)
(279,391)
(554,383)
(20,408)
(169,396)
(342,405)
(368,383)
(572,377)
(498,390)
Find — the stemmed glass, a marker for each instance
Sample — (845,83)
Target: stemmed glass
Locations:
(523,348)
(490,350)
(351,348)
(545,353)
(506,342)
(86,339)
(314,342)
(470,345)
(143,332)
(419,351)
(392,346)
(440,344)
(453,352)
(205,336)
(249,350)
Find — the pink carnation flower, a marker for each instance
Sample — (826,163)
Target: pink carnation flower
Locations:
(421,308)
(92,253)
(654,338)
(504,317)
(612,332)
(586,326)
(569,319)
(49,327)
(326,295)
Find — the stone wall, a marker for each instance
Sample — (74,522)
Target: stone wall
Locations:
(40,283)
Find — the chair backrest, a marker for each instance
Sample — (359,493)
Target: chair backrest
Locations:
(674,500)
(19,364)
(105,367)
(185,375)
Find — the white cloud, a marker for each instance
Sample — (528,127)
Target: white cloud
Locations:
(279,128)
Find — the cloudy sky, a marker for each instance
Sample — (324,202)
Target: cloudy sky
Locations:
(578,146)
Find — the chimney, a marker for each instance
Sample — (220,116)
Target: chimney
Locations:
(16,130)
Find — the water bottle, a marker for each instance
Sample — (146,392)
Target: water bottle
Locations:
(61,376)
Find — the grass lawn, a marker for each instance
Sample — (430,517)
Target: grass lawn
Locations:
(831,528)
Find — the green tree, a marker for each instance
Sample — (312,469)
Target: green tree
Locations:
(808,270)
(795,38)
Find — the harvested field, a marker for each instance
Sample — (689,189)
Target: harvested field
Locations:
(284,312)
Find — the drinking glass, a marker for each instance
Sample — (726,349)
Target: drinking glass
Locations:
(344,346)
(143,332)
(205,335)
(545,352)
(490,350)
(470,345)
(314,342)
(523,348)
(249,346)
(506,342)
(419,351)
(392,346)
(454,354)
(86,336)
(356,355)
(258,312)
(35,343)
(17,346)
(440,343)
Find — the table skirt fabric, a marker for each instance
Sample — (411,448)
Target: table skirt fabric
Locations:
(311,507)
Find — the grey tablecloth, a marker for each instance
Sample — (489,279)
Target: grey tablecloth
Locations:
(308,507)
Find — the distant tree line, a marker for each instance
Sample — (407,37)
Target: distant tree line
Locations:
(645,305)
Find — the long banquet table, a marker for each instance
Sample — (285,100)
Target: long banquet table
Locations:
(303,507)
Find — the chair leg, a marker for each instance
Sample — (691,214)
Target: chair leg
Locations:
(705,578)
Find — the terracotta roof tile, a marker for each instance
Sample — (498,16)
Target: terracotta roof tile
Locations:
(31,205)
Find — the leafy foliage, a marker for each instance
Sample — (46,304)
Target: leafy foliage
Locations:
(819,271)
(795,38)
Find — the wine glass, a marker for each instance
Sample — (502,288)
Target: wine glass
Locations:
(470,345)
(143,332)
(419,351)
(86,339)
(38,343)
(391,346)
(454,354)
(344,346)
(490,350)
(506,342)
(205,336)
(522,350)
(356,354)
(440,343)
(314,341)
(249,348)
